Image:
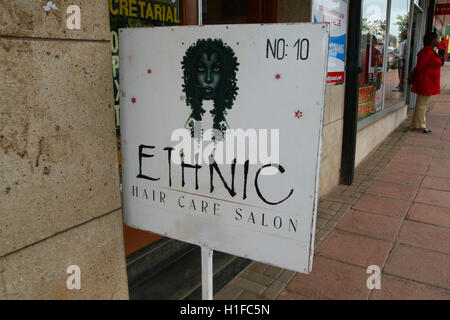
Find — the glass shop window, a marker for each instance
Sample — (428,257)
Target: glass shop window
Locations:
(383,55)
(371,78)
(395,80)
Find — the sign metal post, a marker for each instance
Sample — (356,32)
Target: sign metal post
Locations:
(207,273)
(207,253)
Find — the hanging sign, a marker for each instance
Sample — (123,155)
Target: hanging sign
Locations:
(442,9)
(221,136)
(334,12)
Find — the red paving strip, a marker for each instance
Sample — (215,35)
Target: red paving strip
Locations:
(408,167)
(425,236)
(421,265)
(439,168)
(393,190)
(430,214)
(355,249)
(434,197)
(331,279)
(383,206)
(436,183)
(395,288)
(400,177)
(371,225)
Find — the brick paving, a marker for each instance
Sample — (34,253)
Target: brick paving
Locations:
(395,215)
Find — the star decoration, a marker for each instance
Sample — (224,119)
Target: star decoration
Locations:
(133,100)
(149,71)
(277,76)
(298,114)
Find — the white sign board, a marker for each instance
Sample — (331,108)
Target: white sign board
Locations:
(256,199)
(334,12)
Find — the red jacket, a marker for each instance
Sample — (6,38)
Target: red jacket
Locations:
(426,76)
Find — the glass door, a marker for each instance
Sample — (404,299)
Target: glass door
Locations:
(417,18)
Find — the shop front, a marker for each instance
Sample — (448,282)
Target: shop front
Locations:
(384,52)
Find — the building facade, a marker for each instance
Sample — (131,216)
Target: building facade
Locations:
(61,203)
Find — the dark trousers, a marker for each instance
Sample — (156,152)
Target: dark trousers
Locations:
(401,73)
(442,53)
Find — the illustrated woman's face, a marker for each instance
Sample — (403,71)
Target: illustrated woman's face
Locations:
(209,72)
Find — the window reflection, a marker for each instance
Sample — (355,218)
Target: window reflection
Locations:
(398,47)
(372,48)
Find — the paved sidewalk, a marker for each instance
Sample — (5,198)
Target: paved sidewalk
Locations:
(396,215)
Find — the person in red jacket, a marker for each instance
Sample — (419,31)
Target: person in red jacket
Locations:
(425,79)
(443,47)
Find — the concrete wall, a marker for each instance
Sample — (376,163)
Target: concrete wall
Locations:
(332,138)
(370,137)
(60,201)
(301,11)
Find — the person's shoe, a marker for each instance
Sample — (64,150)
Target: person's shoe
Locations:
(427,131)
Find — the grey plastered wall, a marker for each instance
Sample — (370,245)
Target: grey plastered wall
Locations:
(59,192)
(301,11)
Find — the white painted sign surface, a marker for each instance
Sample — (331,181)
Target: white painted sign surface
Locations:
(270,79)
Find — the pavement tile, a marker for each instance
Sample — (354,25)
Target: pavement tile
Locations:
(246,295)
(335,206)
(435,134)
(320,223)
(441,107)
(393,288)
(257,277)
(430,214)
(274,290)
(383,206)
(425,142)
(249,285)
(286,276)
(434,197)
(420,265)
(258,267)
(425,236)
(331,279)
(436,183)
(439,168)
(446,136)
(418,158)
(411,167)
(355,249)
(369,224)
(290,295)
(229,292)
(412,150)
(393,190)
(400,177)
(273,272)
(442,154)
